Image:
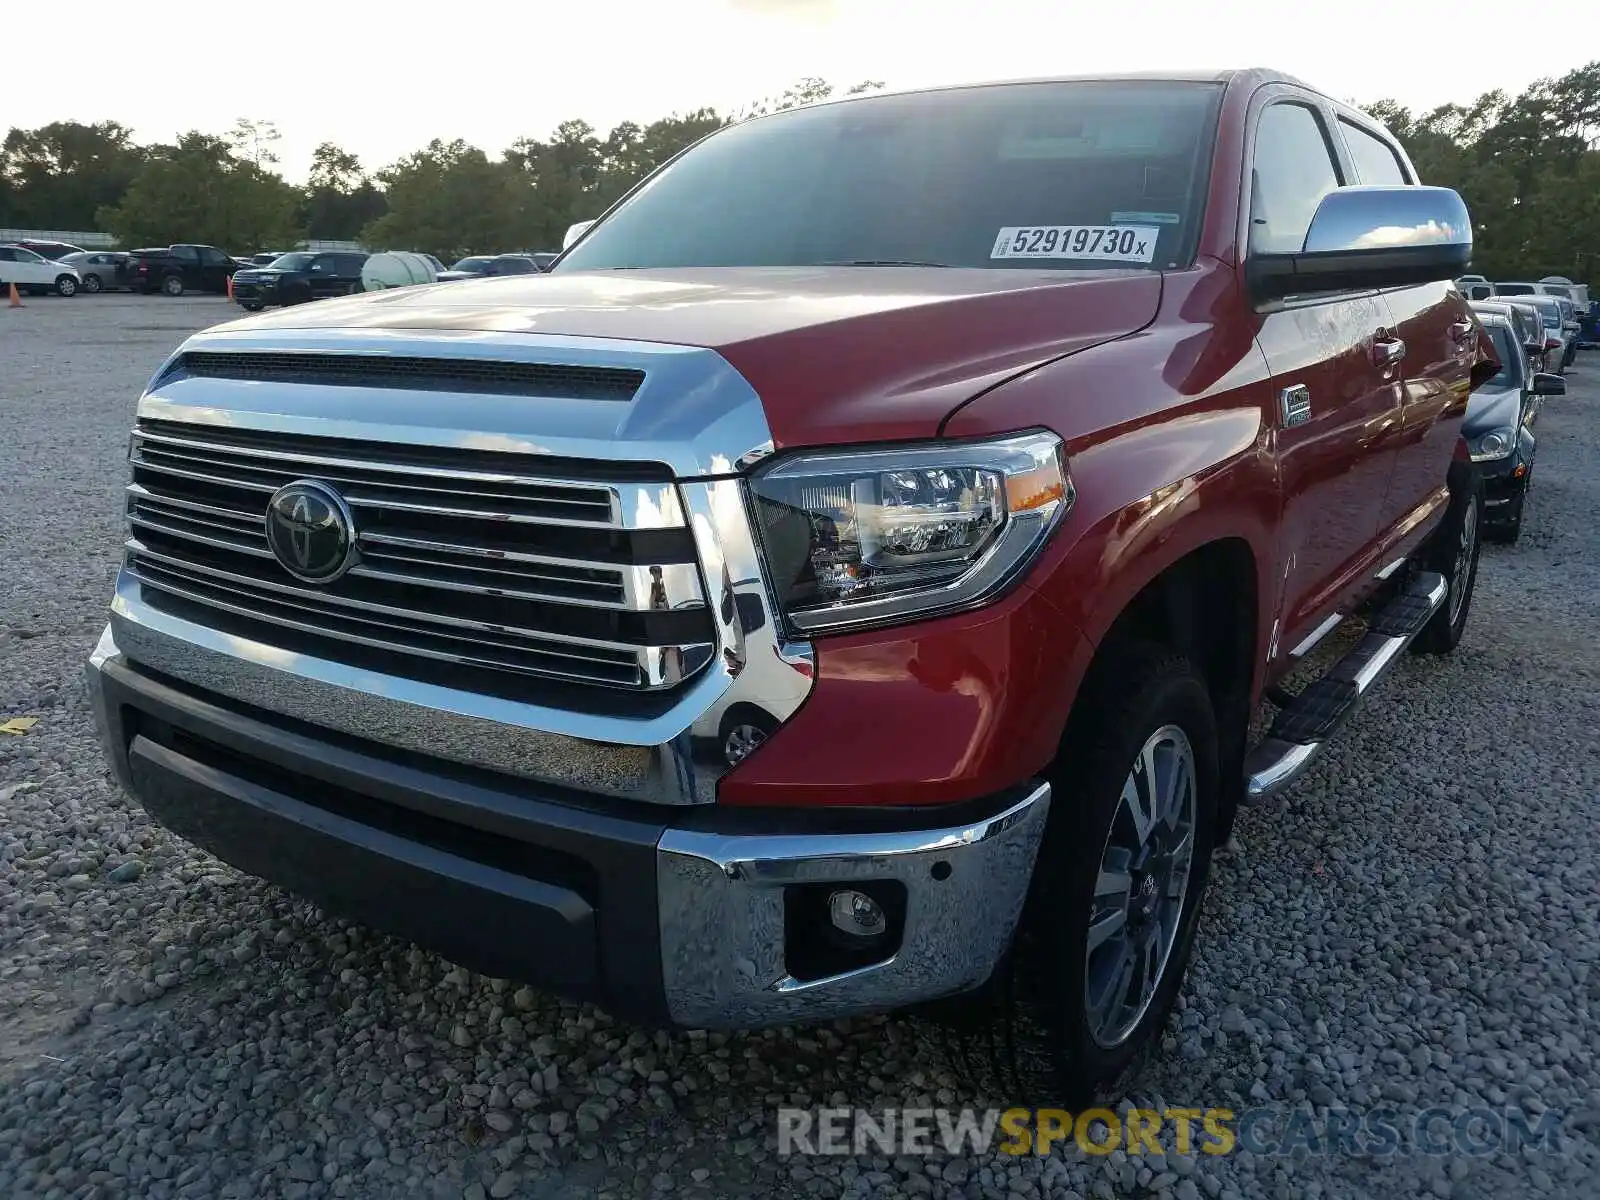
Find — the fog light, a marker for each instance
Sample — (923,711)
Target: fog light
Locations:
(856,914)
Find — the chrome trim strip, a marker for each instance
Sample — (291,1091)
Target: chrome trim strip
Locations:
(721,904)
(1390,568)
(463,659)
(1274,763)
(642,586)
(323,598)
(693,412)
(409,471)
(1282,762)
(1377,663)
(1310,641)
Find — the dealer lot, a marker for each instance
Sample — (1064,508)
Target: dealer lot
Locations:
(1414,925)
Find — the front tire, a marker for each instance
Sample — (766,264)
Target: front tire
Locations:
(66,285)
(1110,921)
(1453,551)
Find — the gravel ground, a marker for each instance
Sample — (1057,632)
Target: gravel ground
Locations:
(1415,925)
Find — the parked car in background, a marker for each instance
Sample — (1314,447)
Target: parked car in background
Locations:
(299,276)
(1525,321)
(99,270)
(1560,285)
(1516,288)
(36,274)
(481,266)
(48,250)
(1558,337)
(183,267)
(266,258)
(543,258)
(1571,326)
(1474,289)
(1498,429)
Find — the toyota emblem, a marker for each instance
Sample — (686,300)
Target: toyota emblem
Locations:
(310,531)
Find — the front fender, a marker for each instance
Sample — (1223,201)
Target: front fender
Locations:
(1169,433)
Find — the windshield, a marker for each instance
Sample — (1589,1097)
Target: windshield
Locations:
(1080,175)
(297,261)
(1510,372)
(472,264)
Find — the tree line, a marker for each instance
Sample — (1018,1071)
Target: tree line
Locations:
(1528,166)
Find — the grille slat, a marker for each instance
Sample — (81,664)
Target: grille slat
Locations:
(486,568)
(272,610)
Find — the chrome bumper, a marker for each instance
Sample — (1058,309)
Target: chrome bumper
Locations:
(722,915)
(710,904)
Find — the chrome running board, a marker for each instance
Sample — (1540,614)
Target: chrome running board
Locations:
(1302,728)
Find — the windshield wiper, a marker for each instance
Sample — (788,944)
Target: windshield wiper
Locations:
(879,262)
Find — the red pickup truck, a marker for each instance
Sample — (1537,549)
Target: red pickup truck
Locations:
(846,580)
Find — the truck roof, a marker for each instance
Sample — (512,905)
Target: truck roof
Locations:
(1255,76)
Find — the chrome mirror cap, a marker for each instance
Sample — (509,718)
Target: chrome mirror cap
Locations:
(1388,218)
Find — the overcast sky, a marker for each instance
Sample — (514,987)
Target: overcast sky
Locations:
(382,79)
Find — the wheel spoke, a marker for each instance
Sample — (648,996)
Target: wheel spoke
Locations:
(1138,797)
(1106,1003)
(1114,878)
(1149,959)
(1107,925)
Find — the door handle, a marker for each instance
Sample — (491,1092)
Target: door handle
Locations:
(1387,350)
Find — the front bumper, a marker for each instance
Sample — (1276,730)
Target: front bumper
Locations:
(692,924)
(1504,480)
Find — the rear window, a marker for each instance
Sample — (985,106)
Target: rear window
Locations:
(1076,175)
(1506,350)
(1376,162)
(1515,289)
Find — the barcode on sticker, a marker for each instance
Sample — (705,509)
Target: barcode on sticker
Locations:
(1110,243)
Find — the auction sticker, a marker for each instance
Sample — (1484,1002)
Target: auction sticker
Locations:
(1116,243)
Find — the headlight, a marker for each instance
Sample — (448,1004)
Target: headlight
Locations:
(1497,443)
(879,536)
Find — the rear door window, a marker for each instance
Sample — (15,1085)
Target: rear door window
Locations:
(1375,159)
(1292,170)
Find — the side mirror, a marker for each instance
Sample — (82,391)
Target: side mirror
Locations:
(574,232)
(1534,347)
(1547,384)
(1371,237)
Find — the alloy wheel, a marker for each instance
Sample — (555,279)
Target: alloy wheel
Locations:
(1141,888)
(741,741)
(1466,547)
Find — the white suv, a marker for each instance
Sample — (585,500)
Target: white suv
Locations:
(31,273)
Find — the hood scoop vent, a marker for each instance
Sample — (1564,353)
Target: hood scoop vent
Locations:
(551,380)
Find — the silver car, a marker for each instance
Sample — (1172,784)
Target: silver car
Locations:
(102,270)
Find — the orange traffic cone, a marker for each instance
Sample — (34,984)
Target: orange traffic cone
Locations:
(16,300)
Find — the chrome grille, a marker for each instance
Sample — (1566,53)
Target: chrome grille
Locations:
(485,562)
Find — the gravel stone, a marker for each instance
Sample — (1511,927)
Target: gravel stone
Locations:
(1412,925)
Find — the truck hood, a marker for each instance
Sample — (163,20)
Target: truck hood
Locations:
(837,354)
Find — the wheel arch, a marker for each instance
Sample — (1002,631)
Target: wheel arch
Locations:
(1205,603)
